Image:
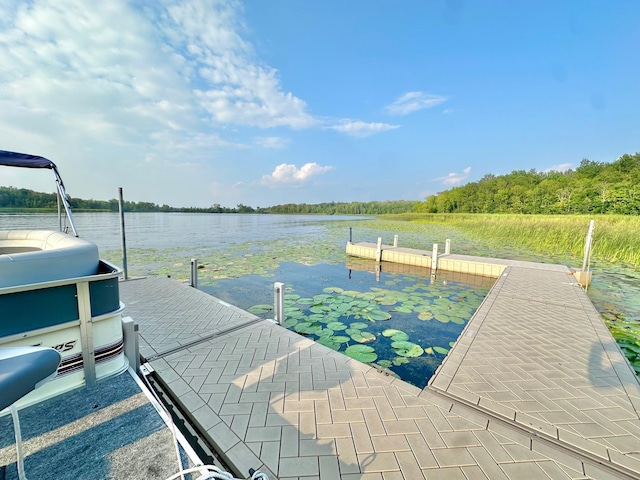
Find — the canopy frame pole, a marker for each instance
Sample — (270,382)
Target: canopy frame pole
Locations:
(65,201)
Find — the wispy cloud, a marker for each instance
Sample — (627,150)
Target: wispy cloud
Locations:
(454,178)
(561,167)
(358,128)
(412,102)
(276,143)
(290,175)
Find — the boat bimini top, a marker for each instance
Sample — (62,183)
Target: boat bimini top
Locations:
(13,159)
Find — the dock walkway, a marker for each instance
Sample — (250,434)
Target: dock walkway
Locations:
(535,387)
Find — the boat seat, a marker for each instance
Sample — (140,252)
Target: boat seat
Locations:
(23,369)
(36,256)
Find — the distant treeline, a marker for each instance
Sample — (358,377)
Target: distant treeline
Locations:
(593,187)
(21,198)
(351,208)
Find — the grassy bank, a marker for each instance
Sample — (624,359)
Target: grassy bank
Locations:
(615,237)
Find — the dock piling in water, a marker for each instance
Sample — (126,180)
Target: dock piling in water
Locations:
(434,258)
(278,302)
(194,273)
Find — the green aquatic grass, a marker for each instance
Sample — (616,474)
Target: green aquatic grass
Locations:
(615,237)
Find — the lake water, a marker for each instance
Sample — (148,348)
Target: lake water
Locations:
(343,303)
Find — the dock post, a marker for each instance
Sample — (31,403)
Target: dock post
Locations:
(350,235)
(131,345)
(584,276)
(123,240)
(395,240)
(194,273)
(434,258)
(278,302)
(379,250)
(447,246)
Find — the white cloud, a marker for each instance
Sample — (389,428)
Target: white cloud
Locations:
(561,167)
(357,128)
(454,178)
(413,101)
(277,143)
(290,175)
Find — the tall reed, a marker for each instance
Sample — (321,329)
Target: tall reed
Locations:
(616,238)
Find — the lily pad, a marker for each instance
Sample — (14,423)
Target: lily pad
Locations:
(407,349)
(306,301)
(441,350)
(325,332)
(359,325)
(397,361)
(333,290)
(402,309)
(336,326)
(260,309)
(319,309)
(378,315)
(307,328)
(363,337)
(328,343)
(290,322)
(384,363)
(339,339)
(396,335)
(362,353)
(425,316)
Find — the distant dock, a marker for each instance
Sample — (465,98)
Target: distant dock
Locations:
(535,387)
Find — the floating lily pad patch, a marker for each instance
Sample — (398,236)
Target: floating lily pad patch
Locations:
(407,349)
(260,309)
(363,337)
(345,320)
(362,353)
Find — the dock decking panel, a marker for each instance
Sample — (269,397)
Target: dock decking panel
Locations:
(535,387)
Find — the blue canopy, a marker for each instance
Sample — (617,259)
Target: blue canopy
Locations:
(14,159)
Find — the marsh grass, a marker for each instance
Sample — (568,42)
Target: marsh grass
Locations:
(616,238)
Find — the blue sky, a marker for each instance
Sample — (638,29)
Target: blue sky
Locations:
(199,102)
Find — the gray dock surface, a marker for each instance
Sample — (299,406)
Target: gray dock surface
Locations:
(535,388)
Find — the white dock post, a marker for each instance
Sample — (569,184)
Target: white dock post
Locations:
(131,345)
(278,302)
(447,246)
(584,276)
(434,258)
(587,245)
(379,250)
(194,273)
(395,240)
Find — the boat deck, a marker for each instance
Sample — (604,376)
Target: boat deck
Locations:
(535,387)
(108,431)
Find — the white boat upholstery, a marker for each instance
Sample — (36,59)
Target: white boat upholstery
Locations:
(34,256)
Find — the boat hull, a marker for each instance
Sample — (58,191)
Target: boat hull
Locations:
(79,316)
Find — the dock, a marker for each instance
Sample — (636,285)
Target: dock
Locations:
(535,387)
